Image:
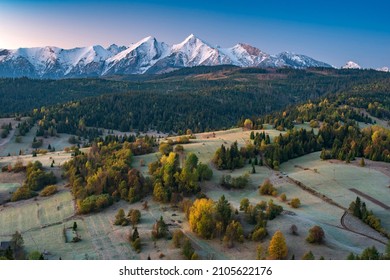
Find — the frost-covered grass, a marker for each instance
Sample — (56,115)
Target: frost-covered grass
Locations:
(335,179)
(34,214)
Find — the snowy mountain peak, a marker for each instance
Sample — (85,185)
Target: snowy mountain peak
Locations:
(383,69)
(147,55)
(250,50)
(351,65)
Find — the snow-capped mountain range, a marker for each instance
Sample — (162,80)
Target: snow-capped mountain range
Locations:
(351,65)
(146,56)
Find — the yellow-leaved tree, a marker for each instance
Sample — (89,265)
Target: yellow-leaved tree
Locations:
(277,249)
(201,217)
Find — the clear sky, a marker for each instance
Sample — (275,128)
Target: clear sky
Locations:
(331,31)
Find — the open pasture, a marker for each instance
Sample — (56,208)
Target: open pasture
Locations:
(337,180)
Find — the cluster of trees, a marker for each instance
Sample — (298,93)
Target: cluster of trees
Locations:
(211,219)
(25,126)
(36,180)
(339,135)
(6,128)
(170,181)
(230,182)
(228,158)
(104,174)
(23,95)
(15,250)
(371,253)
(133,217)
(258,215)
(359,210)
(179,240)
(198,104)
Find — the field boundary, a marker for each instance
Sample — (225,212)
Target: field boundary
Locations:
(370,198)
(316,193)
(351,230)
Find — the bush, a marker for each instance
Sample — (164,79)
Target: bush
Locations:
(259,234)
(134,216)
(177,238)
(267,188)
(94,203)
(188,250)
(49,190)
(22,193)
(137,245)
(294,230)
(120,218)
(308,256)
(283,197)
(316,235)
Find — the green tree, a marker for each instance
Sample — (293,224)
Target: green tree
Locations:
(187,250)
(35,255)
(224,211)
(244,204)
(259,252)
(308,256)
(135,234)
(177,238)
(234,232)
(370,253)
(74,226)
(120,218)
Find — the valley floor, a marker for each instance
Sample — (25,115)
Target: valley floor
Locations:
(42,220)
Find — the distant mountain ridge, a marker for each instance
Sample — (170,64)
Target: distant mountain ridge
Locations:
(146,56)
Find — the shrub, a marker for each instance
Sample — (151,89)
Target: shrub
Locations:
(49,190)
(316,235)
(137,245)
(295,202)
(294,230)
(308,256)
(267,188)
(120,218)
(134,216)
(22,193)
(177,238)
(188,250)
(259,234)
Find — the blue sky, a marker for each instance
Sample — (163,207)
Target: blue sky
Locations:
(331,31)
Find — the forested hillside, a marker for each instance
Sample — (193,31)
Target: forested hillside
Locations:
(200,99)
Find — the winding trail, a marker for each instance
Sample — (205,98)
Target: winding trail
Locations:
(342,221)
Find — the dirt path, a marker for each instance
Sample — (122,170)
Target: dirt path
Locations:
(5,141)
(342,221)
(370,198)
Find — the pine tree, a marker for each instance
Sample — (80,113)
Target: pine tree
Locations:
(308,256)
(135,234)
(224,211)
(277,249)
